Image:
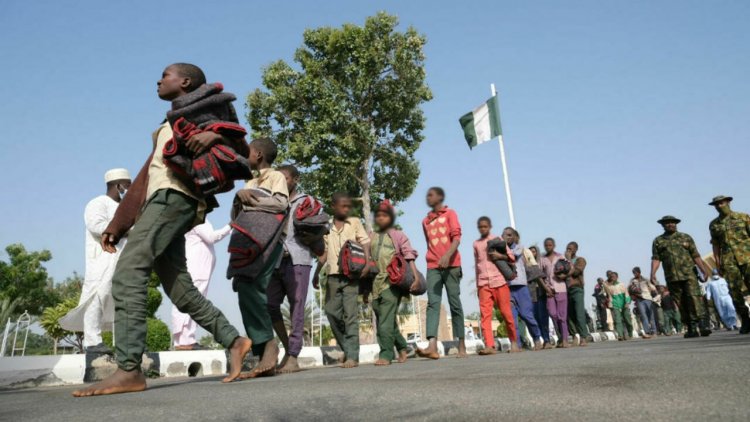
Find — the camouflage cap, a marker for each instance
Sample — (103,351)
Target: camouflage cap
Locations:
(667,219)
(720,198)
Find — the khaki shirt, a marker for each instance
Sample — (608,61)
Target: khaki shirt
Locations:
(270,180)
(335,239)
(162,177)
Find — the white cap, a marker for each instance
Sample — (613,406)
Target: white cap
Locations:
(116,174)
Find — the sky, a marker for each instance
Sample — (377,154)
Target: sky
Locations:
(614,113)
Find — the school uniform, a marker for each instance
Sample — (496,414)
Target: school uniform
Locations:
(251,292)
(386,298)
(157,242)
(341,306)
(441,228)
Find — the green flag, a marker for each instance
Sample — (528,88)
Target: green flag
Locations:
(482,124)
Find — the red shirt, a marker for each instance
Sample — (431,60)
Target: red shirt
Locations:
(441,228)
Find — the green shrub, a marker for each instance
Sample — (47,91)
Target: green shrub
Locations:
(158,337)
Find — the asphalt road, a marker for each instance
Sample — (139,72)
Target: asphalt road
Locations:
(662,379)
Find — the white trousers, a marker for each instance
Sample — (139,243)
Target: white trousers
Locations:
(183,327)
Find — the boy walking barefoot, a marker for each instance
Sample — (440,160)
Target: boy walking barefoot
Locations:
(342,308)
(492,288)
(386,243)
(443,234)
(157,243)
(252,291)
(291,280)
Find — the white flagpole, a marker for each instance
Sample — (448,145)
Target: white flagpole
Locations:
(505,172)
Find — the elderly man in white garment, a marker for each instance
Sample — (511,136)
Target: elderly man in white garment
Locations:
(201,260)
(95,310)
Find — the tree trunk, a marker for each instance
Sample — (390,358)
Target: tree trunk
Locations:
(54,346)
(365,183)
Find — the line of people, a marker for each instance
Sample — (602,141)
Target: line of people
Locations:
(199,150)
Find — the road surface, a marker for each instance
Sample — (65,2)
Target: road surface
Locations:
(668,378)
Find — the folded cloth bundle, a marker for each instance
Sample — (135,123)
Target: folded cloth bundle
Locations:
(507,269)
(352,261)
(562,266)
(402,276)
(311,224)
(213,171)
(255,235)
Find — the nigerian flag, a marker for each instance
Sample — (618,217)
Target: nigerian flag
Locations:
(482,124)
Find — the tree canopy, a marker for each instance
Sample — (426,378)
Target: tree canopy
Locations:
(349,115)
(24,282)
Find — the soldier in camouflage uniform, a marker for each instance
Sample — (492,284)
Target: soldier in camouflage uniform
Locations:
(730,237)
(680,256)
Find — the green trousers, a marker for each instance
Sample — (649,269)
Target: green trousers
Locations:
(623,323)
(687,295)
(738,279)
(386,310)
(660,319)
(577,312)
(157,242)
(451,279)
(672,319)
(342,310)
(254,304)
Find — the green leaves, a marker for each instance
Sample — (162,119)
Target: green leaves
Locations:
(24,280)
(348,113)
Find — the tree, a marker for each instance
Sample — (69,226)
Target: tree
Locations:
(352,109)
(50,322)
(24,282)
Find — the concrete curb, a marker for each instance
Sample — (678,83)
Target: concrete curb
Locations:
(48,371)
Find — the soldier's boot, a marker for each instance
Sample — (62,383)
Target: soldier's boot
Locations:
(704,329)
(745,329)
(691,331)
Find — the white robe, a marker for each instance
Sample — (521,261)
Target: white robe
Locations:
(95,311)
(201,260)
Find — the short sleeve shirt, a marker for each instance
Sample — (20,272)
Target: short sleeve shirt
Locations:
(382,251)
(270,180)
(732,235)
(352,229)
(676,252)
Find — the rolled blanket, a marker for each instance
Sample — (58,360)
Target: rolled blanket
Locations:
(507,269)
(402,276)
(311,224)
(210,173)
(255,235)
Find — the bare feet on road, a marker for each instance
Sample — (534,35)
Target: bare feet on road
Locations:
(119,382)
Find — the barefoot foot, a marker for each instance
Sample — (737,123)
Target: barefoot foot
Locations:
(487,351)
(119,382)
(240,348)
(462,349)
(349,364)
(402,356)
(382,362)
(267,365)
(289,366)
(428,353)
